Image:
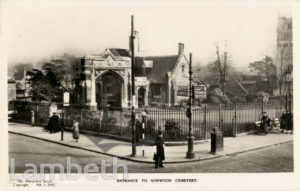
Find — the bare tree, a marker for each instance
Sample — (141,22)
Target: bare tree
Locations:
(222,65)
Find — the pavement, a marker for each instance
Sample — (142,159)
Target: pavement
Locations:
(174,154)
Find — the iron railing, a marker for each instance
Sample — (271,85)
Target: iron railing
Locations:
(230,119)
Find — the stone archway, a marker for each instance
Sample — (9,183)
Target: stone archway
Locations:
(109,87)
(141,97)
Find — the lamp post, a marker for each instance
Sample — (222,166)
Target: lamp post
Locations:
(144,119)
(190,153)
(133,87)
(289,94)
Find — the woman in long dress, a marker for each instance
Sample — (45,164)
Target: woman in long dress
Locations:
(75,130)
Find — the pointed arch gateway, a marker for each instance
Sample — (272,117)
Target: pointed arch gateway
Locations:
(109,89)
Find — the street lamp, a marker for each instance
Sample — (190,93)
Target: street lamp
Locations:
(190,153)
(288,93)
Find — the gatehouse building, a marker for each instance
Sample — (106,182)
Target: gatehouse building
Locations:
(159,80)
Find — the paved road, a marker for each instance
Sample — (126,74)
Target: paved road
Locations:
(272,159)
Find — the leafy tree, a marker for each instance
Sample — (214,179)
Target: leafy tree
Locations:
(40,87)
(63,71)
(54,78)
(266,71)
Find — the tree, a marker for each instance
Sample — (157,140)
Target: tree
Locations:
(40,87)
(222,66)
(207,74)
(210,74)
(54,78)
(266,70)
(64,71)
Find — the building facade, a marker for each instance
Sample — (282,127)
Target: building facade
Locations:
(159,80)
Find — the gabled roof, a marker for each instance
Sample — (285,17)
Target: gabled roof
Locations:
(119,52)
(116,53)
(161,65)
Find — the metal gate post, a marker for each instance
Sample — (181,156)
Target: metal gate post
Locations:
(220,128)
(205,125)
(235,124)
(81,118)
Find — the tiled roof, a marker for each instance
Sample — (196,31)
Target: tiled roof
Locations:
(119,52)
(161,65)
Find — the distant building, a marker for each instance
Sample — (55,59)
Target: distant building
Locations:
(168,78)
(284,57)
(159,80)
(22,88)
(11,90)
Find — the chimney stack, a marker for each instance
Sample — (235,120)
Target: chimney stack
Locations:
(180,48)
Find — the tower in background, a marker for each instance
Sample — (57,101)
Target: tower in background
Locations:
(284,56)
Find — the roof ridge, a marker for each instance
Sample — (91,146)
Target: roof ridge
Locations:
(119,48)
(162,56)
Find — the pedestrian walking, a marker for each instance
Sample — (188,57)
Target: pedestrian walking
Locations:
(160,152)
(283,121)
(75,130)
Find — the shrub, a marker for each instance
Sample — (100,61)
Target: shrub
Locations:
(214,100)
(251,98)
(108,123)
(172,129)
(150,127)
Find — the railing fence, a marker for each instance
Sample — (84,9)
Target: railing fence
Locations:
(230,119)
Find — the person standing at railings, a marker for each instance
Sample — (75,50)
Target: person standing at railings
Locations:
(32,118)
(75,130)
(265,123)
(283,121)
(289,121)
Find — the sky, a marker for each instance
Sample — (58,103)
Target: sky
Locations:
(248,32)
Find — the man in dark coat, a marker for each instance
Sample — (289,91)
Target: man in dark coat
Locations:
(160,152)
(53,124)
(289,121)
(283,121)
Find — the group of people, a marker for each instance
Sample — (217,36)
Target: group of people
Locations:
(286,122)
(54,125)
(265,123)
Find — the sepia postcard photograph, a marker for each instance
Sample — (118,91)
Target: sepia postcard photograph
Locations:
(149,94)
